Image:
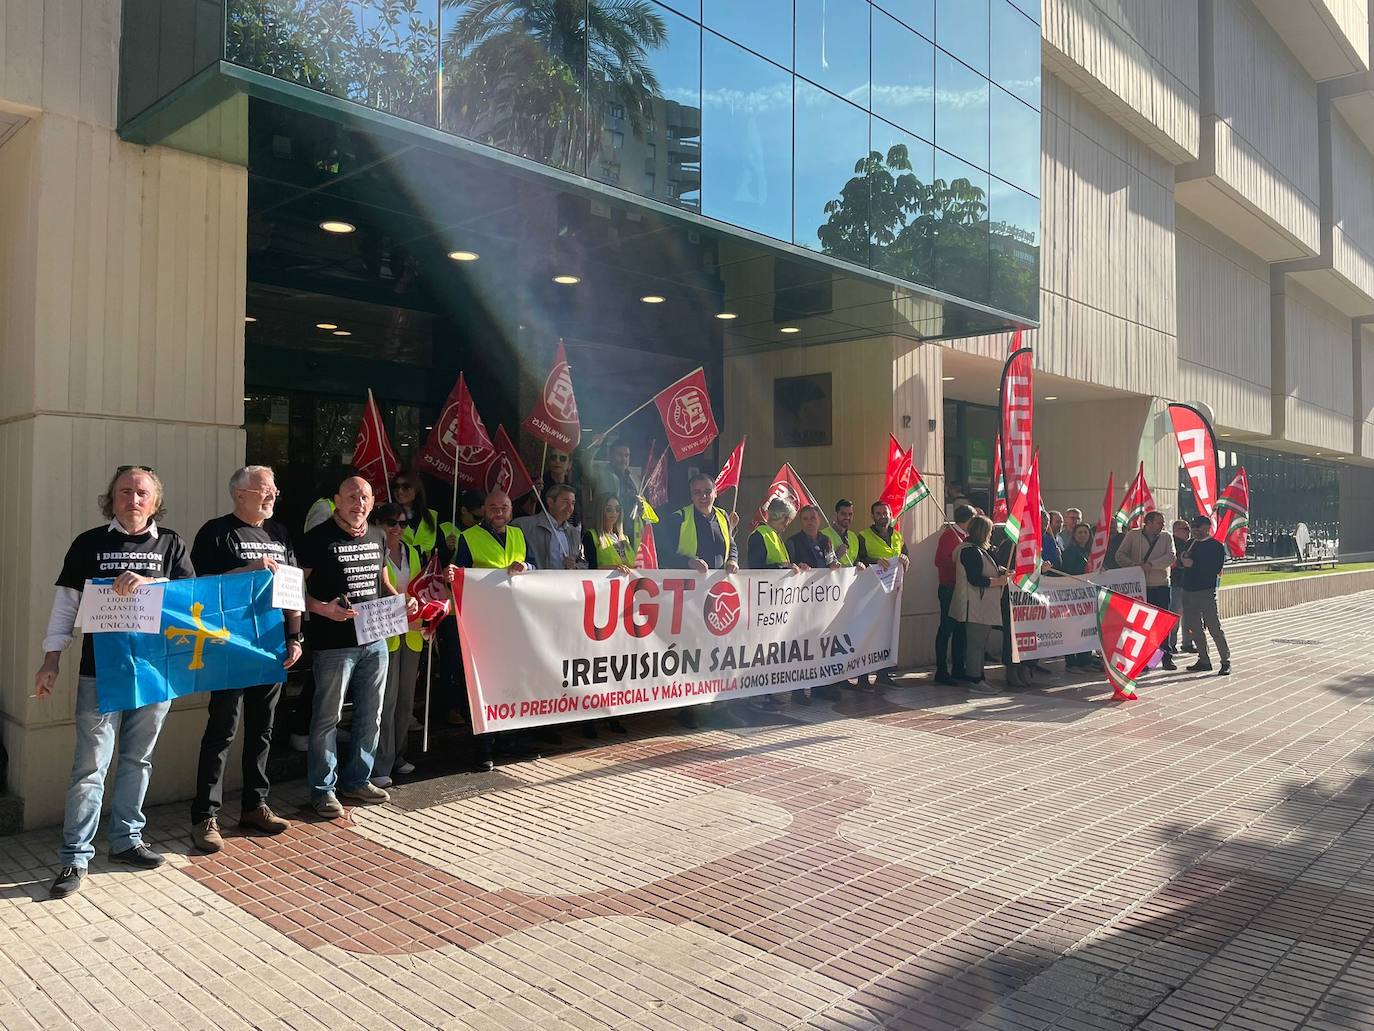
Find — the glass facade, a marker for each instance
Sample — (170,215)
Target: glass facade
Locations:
(899,135)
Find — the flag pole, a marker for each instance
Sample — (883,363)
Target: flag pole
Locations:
(601,437)
(539,489)
(809,491)
(429,680)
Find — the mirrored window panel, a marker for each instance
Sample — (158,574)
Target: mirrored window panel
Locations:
(901,197)
(1015,141)
(959,214)
(1015,50)
(916,14)
(764,26)
(747,139)
(961,110)
(961,28)
(831,195)
(903,77)
(832,46)
(1014,236)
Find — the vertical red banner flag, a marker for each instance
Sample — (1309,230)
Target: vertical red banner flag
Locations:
(1102,532)
(1025,529)
(685,408)
(1197,446)
(646,557)
(554,419)
(1233,515)
(372,453)
(729,473)
(506,471)
(999,496)
(788,486)
(431,591)
(656,480)
(458,447)
(1017,402)
(1137,502)
(1131,631)
(894,480)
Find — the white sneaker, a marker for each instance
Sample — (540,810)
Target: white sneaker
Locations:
(405,769)
(300,743)
(381,782)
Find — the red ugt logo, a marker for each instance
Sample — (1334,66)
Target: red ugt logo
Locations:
(721,610)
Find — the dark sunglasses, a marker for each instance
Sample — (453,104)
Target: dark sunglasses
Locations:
(394,522)
(403,486)
(121,470)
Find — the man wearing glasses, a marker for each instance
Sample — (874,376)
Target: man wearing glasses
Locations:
(134,550)
(246,539)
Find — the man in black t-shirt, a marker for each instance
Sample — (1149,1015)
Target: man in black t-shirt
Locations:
(1201,578)
(246,539)
(344,559)
(134,550)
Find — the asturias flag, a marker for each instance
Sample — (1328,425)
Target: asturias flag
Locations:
(217,632)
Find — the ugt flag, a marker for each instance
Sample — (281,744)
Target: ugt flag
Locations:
(685,408)
(217,632)
(458,447)
(554,419)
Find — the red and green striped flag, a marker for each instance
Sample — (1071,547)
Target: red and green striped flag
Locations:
(1024,528)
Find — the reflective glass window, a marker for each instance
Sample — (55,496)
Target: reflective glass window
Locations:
(832,46)
(831,153)
(747,139)
(903,77)
(961,27)
(1015,47)
(918,14)
(764,26)
(1014,235)
(1014,142)
(959,211)
(1031,8)
(961,110)
(373,52)
(691,8)
(645,113)
(900,174)
(515,75)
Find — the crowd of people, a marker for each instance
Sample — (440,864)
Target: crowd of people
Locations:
(354,549)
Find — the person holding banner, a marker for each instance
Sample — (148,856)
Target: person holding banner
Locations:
(133,549)
(1075,561)
(949,636)
(979,586)
(344,560)
(1150,548)
(1201,578)
(552,541)
(880,545)
(809,548)
(606,546)
(766,547)
(423,531)
(403,651)
(844,540)
(246,539)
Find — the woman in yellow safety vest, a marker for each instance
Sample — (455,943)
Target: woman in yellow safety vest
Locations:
(423,530)
(403,665)
(605,542)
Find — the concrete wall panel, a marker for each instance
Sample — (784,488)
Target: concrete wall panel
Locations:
(1319,405)
(1352,200)
(61,56)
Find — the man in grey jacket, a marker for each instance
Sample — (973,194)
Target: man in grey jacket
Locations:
(552,540)
(1152,549)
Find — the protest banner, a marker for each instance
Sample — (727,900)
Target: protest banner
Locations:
(288,588)
(1061,617)
(662,639)
(380,618)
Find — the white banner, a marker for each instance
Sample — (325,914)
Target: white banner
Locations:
(1061,617)
(557,646)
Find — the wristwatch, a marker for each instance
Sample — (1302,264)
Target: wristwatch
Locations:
(297,638)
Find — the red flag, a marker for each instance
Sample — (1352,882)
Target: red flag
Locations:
(1198,446)
(895,481)
(685,408)
(1025,528)
(1131,631)
(646,557)
(458,446)
(505,471)
(656,480)
(1102,533)
(1017,399)
(554,419)
(372,454)
(430,589)
(1233,515)
(999,499)
(788,486)
(1137,502)
(729,473)
(1015,341)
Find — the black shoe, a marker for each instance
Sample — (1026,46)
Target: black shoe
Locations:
(616,727)
(946,679)
(687,718)
(1225,670)
(483,766)
(1190,648)
(1168,663)
(139,855)
(67,882)
(800,697)
(589,731)
(1201,667)
(549,736)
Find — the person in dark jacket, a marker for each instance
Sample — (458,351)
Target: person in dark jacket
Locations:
(1201,578)
(1075,559)
(980,582)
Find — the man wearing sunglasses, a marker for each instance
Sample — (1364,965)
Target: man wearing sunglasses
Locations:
(246,539)
(133,549)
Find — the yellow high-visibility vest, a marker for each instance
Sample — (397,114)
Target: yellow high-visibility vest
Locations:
(851,538)
(415,640)
(687,536)
(877,548)
(488,554)
(775,550)
(608,555)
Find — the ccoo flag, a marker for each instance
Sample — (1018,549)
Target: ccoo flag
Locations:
(1131,631)
(1102,532)
(1024,527)
(217,632)
(1137,502)
(1017,399)
(999,498)
(1233,515)
(1198,447)
(685,408)
(554,419)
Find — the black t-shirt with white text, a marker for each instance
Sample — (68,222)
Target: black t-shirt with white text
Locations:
(340,563)
(103,553)
(227,544)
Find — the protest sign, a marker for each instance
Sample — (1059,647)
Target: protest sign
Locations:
(1061,617)
(380,618)
(662,639)
(288,588)
(103,612)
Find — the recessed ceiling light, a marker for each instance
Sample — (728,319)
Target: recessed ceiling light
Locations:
(342,333)
(463,255)
(1051,397)
(1340,458)
(326,325)
(1226,434)
(1317,453)
(653,299)
(249,318)
(789,329)
(946,378)
(727,316)
(336,226)
(567,280)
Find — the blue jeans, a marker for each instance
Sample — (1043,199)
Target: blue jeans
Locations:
(335,670)
(137,730)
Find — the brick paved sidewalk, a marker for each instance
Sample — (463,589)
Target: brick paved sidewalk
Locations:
(908,859)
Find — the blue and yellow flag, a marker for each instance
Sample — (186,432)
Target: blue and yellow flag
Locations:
(217,632)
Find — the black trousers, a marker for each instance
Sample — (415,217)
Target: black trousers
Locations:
(452,683)
(259,705)
(1159,597)
(950,631)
